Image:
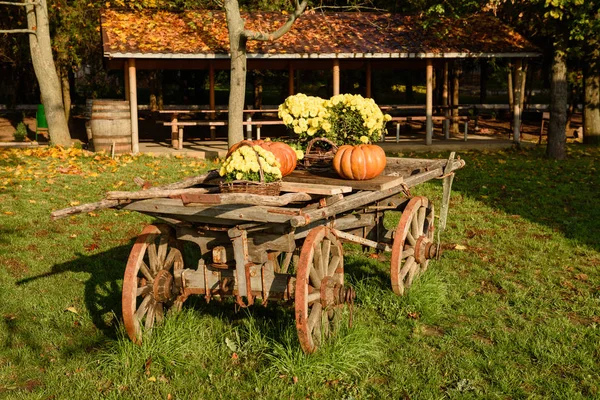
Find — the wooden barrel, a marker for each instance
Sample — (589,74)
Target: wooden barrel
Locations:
(111,125)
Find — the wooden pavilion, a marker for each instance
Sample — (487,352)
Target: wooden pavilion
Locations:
(198,40)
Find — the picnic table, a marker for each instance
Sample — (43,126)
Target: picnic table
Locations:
(177,125)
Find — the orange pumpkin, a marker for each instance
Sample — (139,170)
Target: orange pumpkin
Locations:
(364,161)
(282,152)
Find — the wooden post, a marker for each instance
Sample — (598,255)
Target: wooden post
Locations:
(429,104)
(445,101)
(516,101)
(291,90)
(455,96)
(211,83)
(336,77)
(174,132)
(135,145)
(368,84)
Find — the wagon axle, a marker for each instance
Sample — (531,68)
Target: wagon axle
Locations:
(335,294)
(425,249)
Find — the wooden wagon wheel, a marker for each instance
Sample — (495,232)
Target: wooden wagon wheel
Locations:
(413,243)
(320,291)
(149,288)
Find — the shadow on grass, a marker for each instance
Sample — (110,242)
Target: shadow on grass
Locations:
(562,195)
(102,290)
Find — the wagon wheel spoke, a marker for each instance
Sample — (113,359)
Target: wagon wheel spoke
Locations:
(149,284)
(149,321)
(159,312)
(286,262)
(143,308)
(153,258)
(163,247)
(171,258)
(319,287)
(146,272)
(413,245)
(143,290)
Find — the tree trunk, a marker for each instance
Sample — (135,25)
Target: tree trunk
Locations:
(66,92)
(591,114)
(45,71)
(238,36)
(237,88)
(559,93)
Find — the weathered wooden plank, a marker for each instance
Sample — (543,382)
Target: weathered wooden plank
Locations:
(192,181)
(195,199)
(208,214)
(411,166)
(314,188)
(99,205)
(156,193)
(380,182)
(360,199)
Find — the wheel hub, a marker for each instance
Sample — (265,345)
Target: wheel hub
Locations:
(335,294)
(425,249)
(163,286)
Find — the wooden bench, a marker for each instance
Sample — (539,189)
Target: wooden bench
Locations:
(421,118)
(177,128)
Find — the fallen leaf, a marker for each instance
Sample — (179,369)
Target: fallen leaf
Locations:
(74,203)
(460,247)
(91,247)
(413,315)
(147,367)
(152,379)
(72,309)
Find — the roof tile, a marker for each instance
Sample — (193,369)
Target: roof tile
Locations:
(205,32)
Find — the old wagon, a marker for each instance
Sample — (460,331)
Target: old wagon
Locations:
(286,247)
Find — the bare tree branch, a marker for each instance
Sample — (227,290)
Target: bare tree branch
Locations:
(283,29)
(23,4)
(17,31)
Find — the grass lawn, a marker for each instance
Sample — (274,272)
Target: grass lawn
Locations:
(511,310)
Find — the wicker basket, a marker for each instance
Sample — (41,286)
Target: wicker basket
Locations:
(251,187)
(317,158)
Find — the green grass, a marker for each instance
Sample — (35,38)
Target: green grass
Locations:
(511,310)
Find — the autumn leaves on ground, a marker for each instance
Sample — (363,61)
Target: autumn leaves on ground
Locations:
(510,310)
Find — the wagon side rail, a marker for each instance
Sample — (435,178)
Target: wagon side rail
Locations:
(360,199)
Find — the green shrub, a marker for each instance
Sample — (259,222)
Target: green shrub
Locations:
(21,132)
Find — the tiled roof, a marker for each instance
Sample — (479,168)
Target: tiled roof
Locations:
(203,34)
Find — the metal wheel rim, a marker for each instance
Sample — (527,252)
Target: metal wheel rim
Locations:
(312,320)
(417,220)
(138,298)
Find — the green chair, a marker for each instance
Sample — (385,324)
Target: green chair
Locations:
(41,123)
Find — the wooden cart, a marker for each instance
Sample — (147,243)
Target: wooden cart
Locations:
(286,247)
